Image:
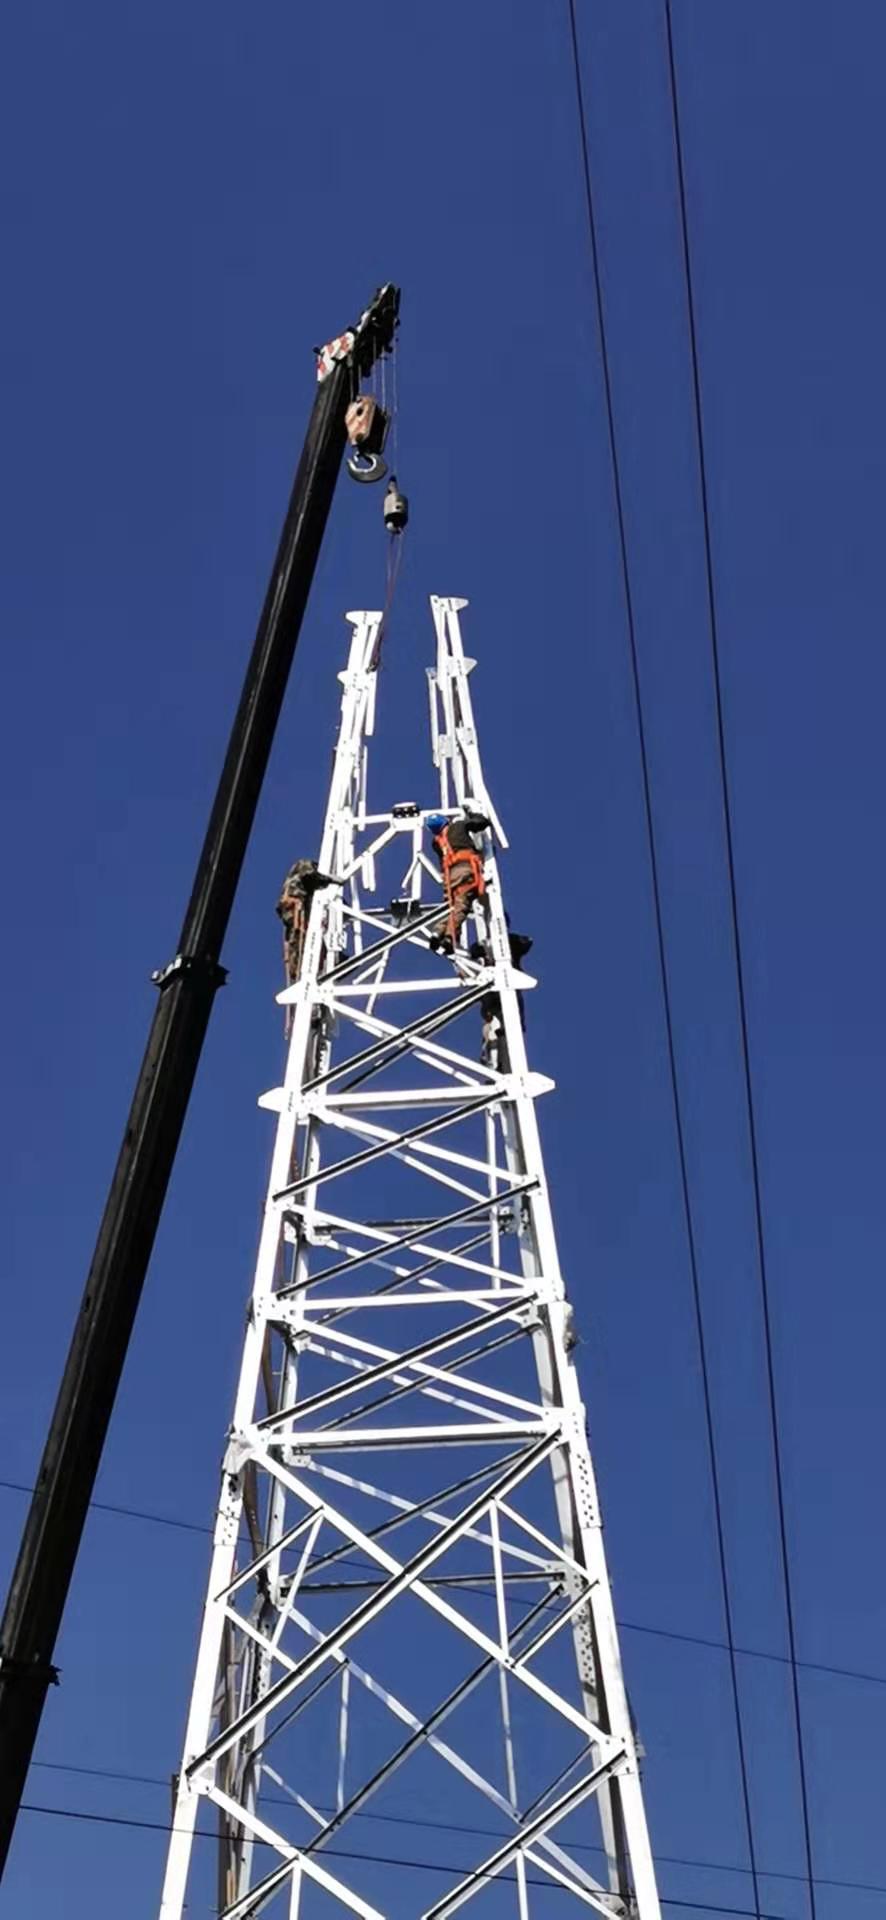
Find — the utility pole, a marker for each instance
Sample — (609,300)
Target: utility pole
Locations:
(187,989)
(408,1603)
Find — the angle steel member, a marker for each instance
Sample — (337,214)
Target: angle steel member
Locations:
(408,1612)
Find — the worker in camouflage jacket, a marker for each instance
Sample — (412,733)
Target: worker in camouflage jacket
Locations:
(494,1051)
(294,906)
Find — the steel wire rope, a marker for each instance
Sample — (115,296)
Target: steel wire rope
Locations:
(394,555)
(395,398)
(664,976)
(393,563)
(713,625)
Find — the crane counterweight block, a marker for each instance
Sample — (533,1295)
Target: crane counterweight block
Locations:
(395,509)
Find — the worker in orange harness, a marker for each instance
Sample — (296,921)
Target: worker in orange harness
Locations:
(462,865)
(294,906)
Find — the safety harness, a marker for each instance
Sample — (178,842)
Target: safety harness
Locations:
(462,871)
(460,857)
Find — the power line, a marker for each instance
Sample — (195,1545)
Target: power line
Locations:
(371,1859)
(754,1653)
(862,1675)
(737,944)
(128,1513)
(663,971)
(488,1833)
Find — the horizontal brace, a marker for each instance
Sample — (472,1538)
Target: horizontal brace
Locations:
(517,1299)
(396,986)
(388,819)
(482,1582)
(407,1097)
(331,1440)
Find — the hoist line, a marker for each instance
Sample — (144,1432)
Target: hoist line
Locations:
(739,955)
(394,554)
(664,976)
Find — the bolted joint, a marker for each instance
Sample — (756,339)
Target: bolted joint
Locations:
(186,964)
(40,1671)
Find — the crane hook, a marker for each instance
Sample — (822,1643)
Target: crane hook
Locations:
(366,467)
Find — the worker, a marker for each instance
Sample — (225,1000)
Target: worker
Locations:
(294,906)
(493,1052)
(462,865)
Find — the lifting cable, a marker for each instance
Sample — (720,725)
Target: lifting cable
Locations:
(739,960)
(393,538)
(663,968)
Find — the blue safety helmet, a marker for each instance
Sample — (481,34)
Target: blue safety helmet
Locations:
(436,822)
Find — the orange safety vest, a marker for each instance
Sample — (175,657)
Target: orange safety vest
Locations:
(460,856)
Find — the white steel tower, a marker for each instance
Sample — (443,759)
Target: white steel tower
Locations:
(408,1694)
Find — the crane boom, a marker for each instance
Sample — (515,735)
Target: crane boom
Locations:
(187,988)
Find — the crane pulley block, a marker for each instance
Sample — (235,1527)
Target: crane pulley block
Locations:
(367,424)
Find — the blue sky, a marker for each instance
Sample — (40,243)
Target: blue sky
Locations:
(193,197)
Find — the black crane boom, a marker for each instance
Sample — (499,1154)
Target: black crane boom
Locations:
(187,989)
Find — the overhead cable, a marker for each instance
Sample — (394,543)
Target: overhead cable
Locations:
(375,1859)
(467,1831)
(663,963)
(739,959)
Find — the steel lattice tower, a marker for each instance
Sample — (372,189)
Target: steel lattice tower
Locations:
(408,1610)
